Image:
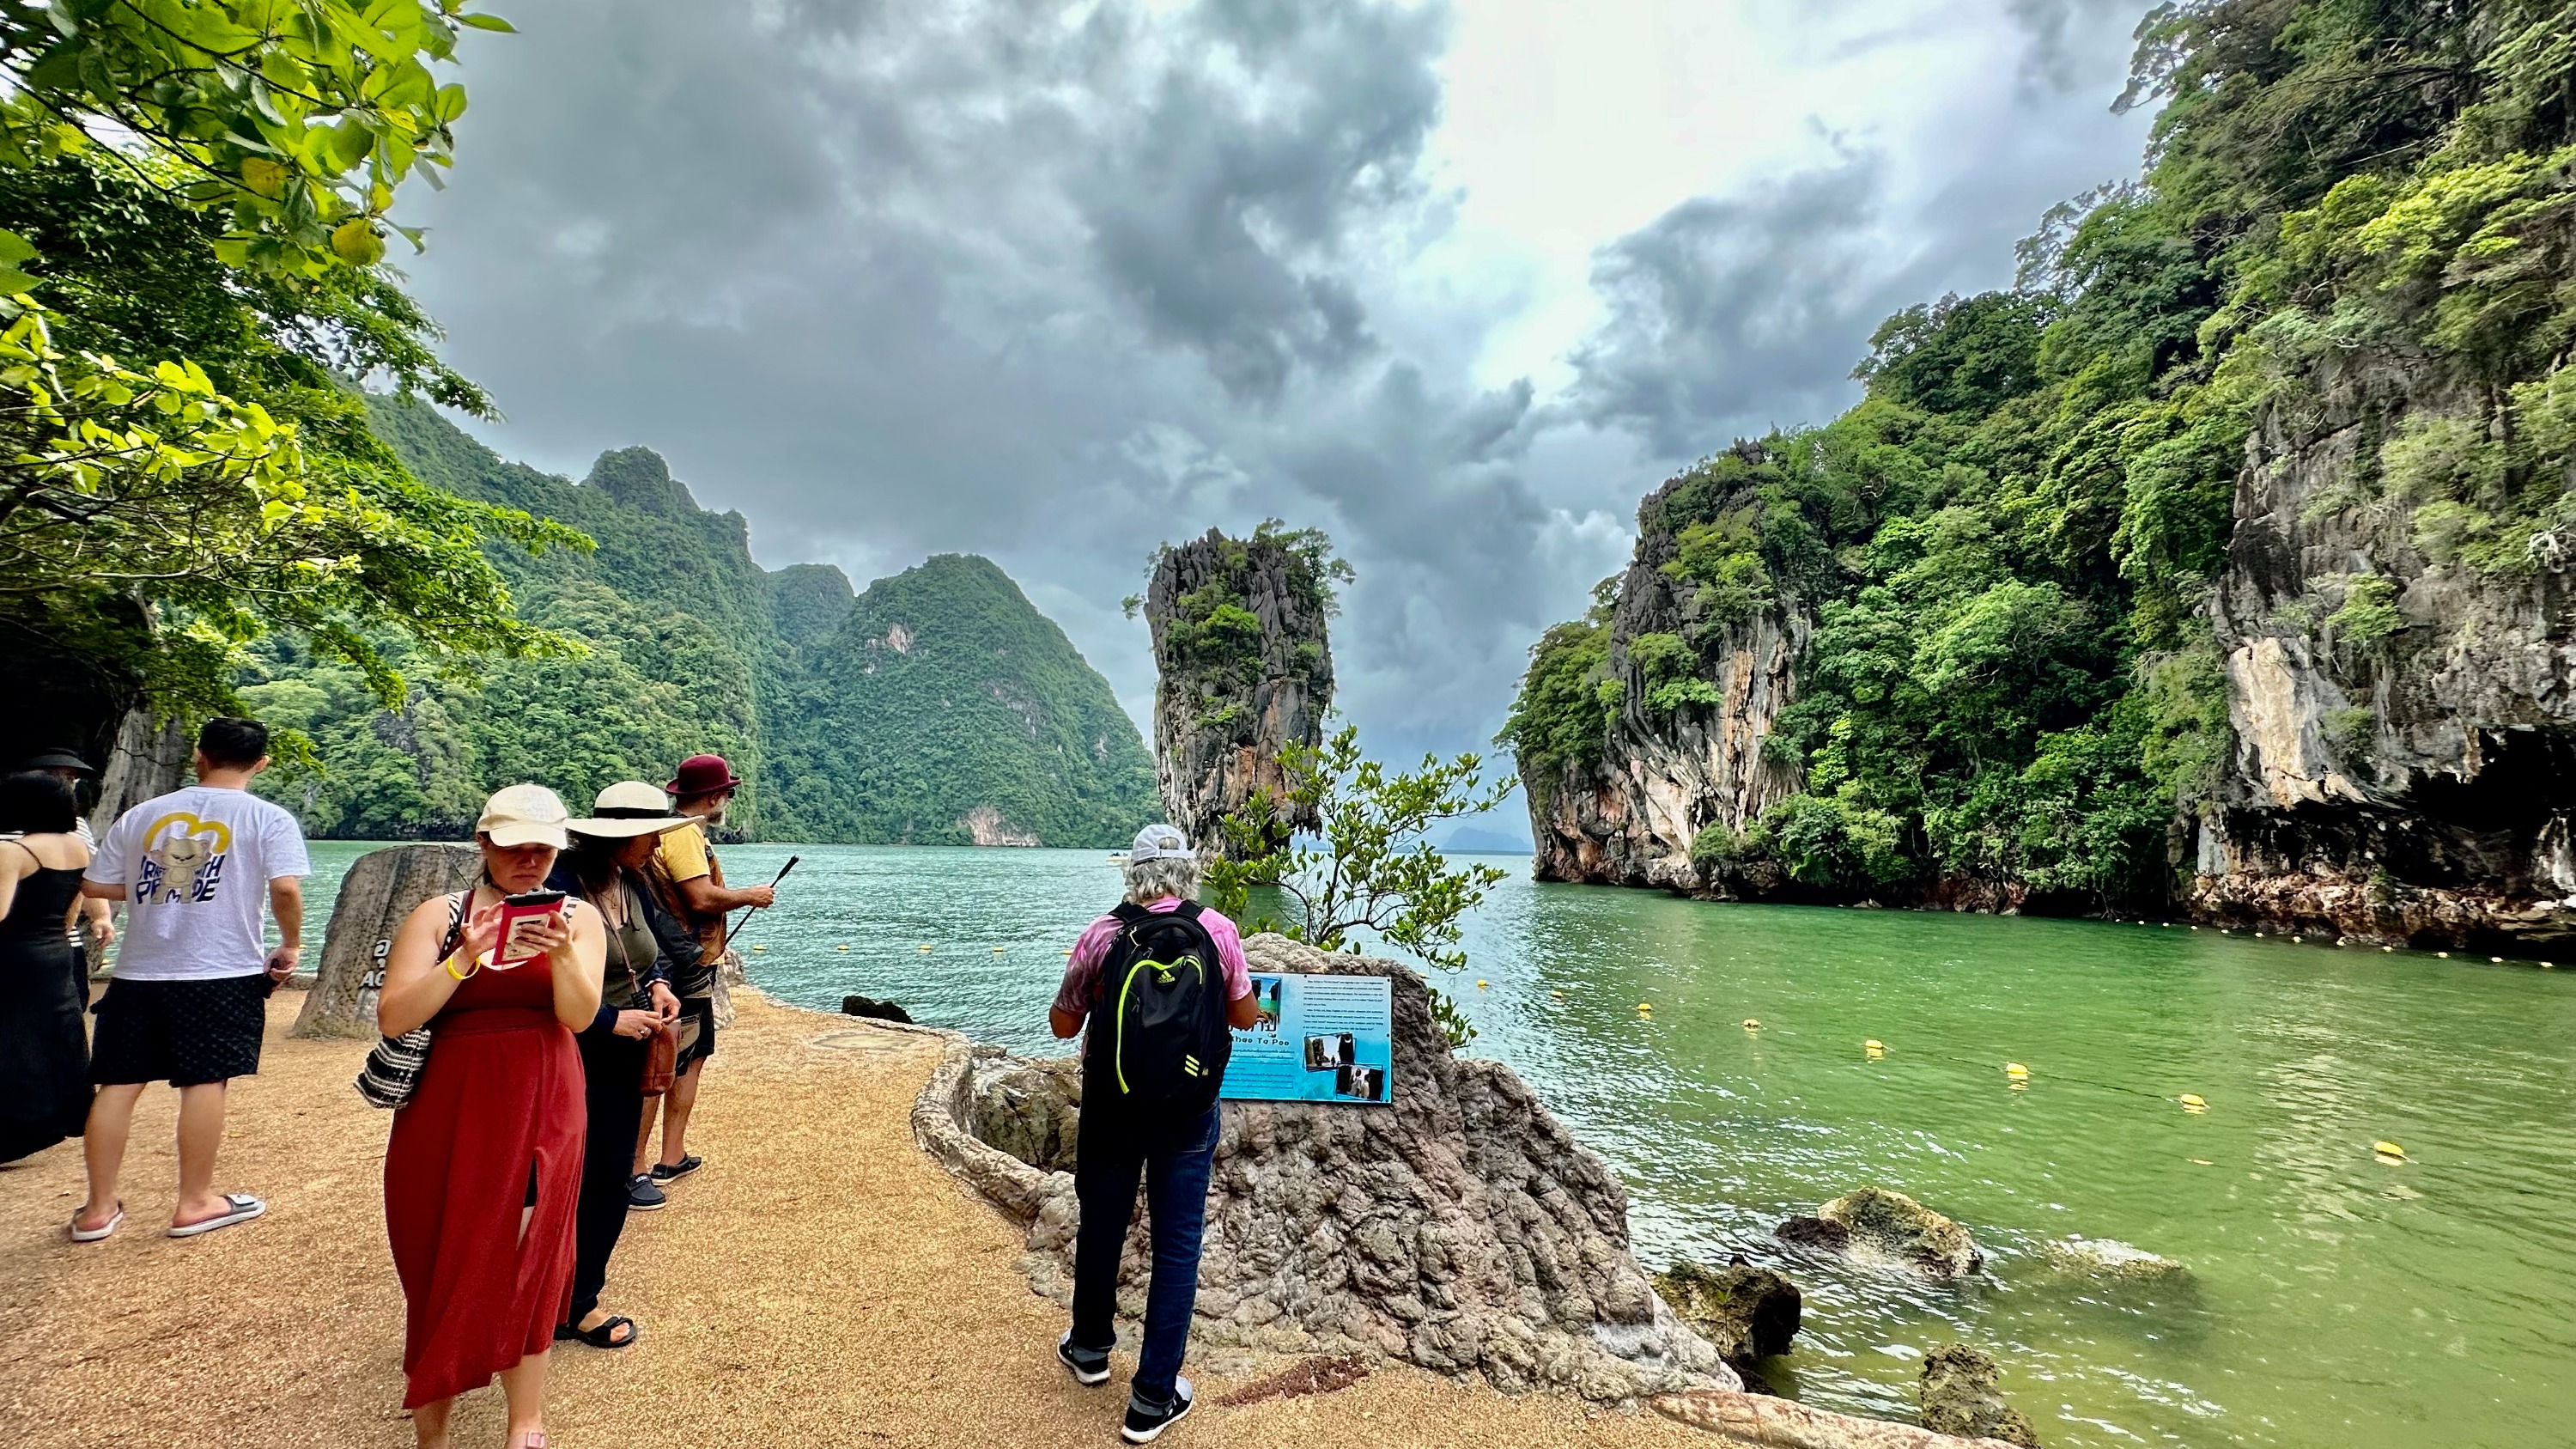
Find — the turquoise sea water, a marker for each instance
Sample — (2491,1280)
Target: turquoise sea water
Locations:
(2333,1301)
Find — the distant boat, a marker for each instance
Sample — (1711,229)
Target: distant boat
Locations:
(1118,858)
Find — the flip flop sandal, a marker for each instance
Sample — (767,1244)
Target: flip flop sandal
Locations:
(243,1207)
(604,1336)
(91,1235)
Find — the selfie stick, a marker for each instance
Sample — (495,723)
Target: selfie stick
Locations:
(747,910)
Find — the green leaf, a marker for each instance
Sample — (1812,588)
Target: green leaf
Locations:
(13,282)
(489,22)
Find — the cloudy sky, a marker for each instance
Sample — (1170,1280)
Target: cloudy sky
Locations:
(1055,280)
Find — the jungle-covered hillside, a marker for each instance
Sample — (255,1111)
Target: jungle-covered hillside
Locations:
(1967,642)
(985,724)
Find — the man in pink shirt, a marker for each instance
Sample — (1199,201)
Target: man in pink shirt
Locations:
(1161,1018)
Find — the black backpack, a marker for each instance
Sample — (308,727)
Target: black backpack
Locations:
(1158,1043)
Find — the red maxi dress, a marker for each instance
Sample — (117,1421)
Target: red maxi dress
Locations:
(502,1095)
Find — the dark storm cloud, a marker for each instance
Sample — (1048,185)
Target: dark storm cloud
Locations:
(1056,280)
(1221,222)
(1731,315)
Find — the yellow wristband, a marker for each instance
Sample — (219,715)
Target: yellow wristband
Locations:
(450,964)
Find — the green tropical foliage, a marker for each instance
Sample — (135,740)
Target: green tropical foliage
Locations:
(180,308)
(1373,867)
(943,693)
(2006,547)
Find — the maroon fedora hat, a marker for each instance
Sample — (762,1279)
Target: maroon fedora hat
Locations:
(703,775)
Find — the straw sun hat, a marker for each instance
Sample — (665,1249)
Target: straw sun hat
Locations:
(625,810)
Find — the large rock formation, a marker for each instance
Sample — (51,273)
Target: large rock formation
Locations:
(1667,774)
(1244,669)
(2409,784)
(379,891)
(1460,1228)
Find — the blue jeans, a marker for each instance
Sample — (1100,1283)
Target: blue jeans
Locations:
(1176,1187)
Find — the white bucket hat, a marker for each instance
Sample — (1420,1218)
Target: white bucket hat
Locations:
(1161,842)
(523,815)
(627,809)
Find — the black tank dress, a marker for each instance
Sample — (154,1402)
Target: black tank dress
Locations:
(44,1054)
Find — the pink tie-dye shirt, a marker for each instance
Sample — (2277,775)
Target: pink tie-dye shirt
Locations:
(1080,974)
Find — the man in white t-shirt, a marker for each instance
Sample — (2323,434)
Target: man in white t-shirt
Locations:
(189,999)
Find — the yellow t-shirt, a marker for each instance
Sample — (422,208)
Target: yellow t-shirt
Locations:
(683,855)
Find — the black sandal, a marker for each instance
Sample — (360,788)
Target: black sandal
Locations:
(604,1336)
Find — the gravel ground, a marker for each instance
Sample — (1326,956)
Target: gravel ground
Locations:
(820,1282)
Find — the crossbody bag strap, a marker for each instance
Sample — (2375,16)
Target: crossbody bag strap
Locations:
(455,923)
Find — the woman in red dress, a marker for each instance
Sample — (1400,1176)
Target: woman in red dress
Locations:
(484,1168)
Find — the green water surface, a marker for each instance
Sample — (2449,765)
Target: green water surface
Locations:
(2332,1300)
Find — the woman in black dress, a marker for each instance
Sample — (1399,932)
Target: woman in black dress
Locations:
(604,867)
(44,1055)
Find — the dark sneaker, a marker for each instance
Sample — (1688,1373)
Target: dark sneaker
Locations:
(1089,1366)
(642,1196)
(1144,1423)
(667,1172)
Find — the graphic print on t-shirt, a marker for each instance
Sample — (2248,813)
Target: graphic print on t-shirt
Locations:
(183,859)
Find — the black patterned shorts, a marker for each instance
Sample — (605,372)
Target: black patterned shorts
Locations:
(185,1033)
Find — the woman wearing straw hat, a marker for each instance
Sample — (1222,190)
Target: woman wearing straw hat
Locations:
(483,1170)
(605,867)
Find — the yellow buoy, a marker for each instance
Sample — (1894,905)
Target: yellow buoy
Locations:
(1874,1044)
(2387,948)
(1559,995)
(1480,983)
(1751,1024)
(2498,960)
(2389,1149)
(925,948)
(1060,953)
(762,947)
(2015,1069)
(2200,1161)
(2192,1103)
(840,948)
(2445,955)
(998,950)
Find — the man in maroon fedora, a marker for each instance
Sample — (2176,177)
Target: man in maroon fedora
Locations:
(685,875)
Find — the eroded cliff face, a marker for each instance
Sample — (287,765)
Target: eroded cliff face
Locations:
(1665,775)
(2407,781)
(1244,669)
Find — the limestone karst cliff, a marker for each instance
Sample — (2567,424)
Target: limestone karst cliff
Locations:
(1243,665)
(2220,565)
(1668,766)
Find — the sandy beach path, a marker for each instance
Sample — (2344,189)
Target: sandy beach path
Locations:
(820,1283)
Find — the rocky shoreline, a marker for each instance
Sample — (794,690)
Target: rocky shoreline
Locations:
(1461,1230)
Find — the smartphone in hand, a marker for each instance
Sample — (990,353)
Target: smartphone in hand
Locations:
(517,912)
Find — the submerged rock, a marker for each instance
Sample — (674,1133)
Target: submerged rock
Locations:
(1881,1223)
(1757,1421)
(868,1006)
(1461,1228)
(1960,1397)
(2108,1258)
(1744,1312)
